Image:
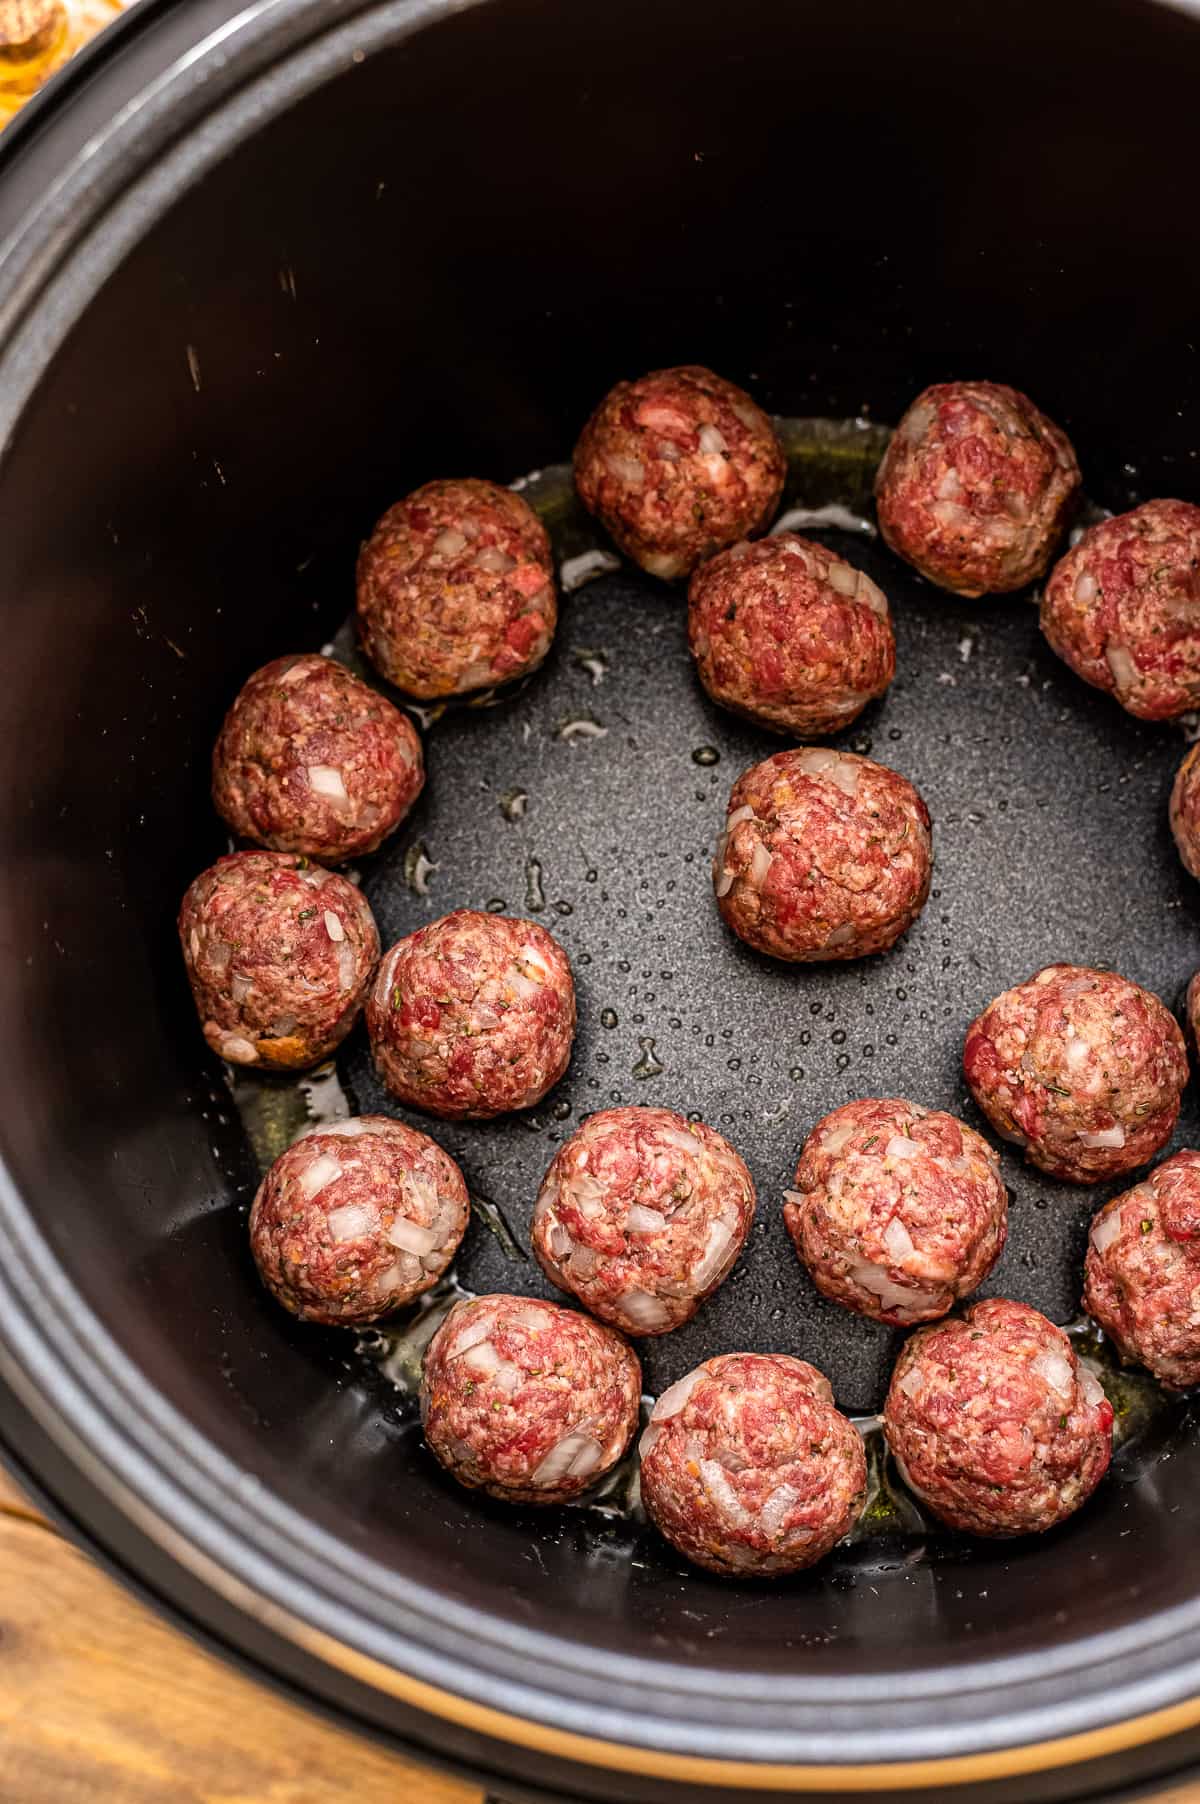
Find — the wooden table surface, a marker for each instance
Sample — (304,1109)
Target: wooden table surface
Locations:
(102,1703)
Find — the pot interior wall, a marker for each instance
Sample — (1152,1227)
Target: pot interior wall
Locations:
(436,263)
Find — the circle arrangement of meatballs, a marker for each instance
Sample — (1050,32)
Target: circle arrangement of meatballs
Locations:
(899,1211)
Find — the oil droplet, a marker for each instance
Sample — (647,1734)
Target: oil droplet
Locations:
(649,1065)
(563,908)
(514,804)
(418,868)
(561,1109)
(496,906)
(535,895)
(706,754)
(608,1017)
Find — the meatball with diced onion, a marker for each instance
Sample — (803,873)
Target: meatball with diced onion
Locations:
(279,954)
(1142,1274)
(641,1216)
(356,1219)
(528,1401)
(898,1211)
(1184,811)
(825,855)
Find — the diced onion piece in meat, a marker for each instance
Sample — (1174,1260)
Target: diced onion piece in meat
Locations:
(327,780)
(1085,588)
(586,1193)
(525,987)
(333,927)
(411,1238)
(760,864)
(872,595)
(644,1313)
(711,440)
(1104,1137)
(949,488)
(282,1026)
(476,1330)
(577,1454)
(816,759)
(350,1221)
(797,1198)
(948,513)
(1089,1384)
(323,1170)
(910,1381)
(716,1251)
(775,1510)
(531,956)
(724,883)
(897,1241)
(648,1441)
(875,1281)
(686,1143)
(242,1052)
(494,559)
(846,774)
(675,1396)
(240,987)
(293,673)
(1057,1370)
(584,1261)
(346,966)
(900,1146)
(715,1480)
(841,935)
(558,1240)
(842,578)
(219,954)
(629,469)
(641,1220)
(450,542)
(1106,1229)
(1077,1052)
(744,813)
(481,1358)
(1124,670)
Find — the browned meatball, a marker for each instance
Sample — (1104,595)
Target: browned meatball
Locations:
(1122,608)
(312,760)
(456,590)
(279,954)
(473,1016)
(748,1468)
(825,855)
(1185,810)
(642,1215)
(898,1211)
(1082,1068)
(677,465)
(995,1424)
(976,488)
(528,1401)
(356,1219)
(790,635)
(1142,1275)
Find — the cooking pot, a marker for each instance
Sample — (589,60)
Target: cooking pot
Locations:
(264,269)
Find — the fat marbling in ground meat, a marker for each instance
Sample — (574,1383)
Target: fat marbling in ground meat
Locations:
(976,488)
(456,590)
(312,760)
(279,954)
(747,1467)
(789,635)
(1082,1068)
(526,1400)
(1185,811)
(641,1216)
(995,1424)
(898,1211)
(473,1016)
(1122,608)
(1141,1280)
(356,1219)
(825,855)
(677,465)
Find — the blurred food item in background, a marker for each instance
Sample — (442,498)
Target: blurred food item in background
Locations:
(38,36)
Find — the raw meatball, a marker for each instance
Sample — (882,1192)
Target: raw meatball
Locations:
(279,955)
(678,464)
(976,488)
(312,760)
(1081,1068)
(899,1211)
(356,1219)
(528,1401)
(790,635)
(1192,1010)
(456,590)
(641,1215)
(1123,609)
(824,856)
(1185,810)
(473,1016)
(748,1468)
(1141,1281)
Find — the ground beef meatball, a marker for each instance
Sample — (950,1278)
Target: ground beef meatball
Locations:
(356,1219)
(976,488)
(748,1468)
(528,1401)
(1081,1068)
(677,465)
(456,590)
(824,856)
(1192,1011)
(790,635)
(279,954)
(1185,810)
(994,1423)
(899,1211)
(1123,609)
(312,760)
(641,1215)
(1141,1281)
(473,1016)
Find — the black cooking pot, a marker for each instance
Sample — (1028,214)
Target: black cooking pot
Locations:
(264,269)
